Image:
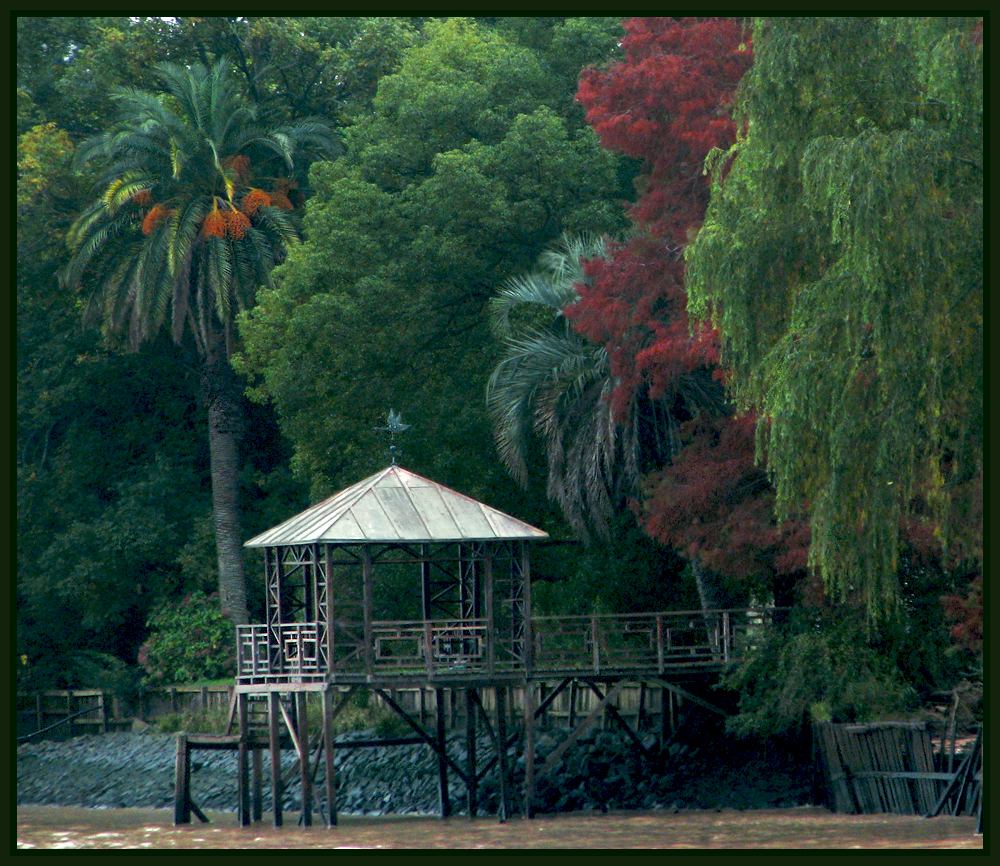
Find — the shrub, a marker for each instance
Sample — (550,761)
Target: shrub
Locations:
(190,641)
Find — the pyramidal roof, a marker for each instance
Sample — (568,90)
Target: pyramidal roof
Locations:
(396,505)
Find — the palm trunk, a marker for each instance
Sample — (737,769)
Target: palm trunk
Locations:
(225,425)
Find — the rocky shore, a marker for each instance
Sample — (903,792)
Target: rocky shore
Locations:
(599,772)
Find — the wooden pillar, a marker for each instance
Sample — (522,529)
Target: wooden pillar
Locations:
(501,699)
(242,768)
(274,734)
(182,782)
(641,718)
(367,608)
(302,728)
(257,804)
(331,772)
(470,748)
(442,742)
(529,749)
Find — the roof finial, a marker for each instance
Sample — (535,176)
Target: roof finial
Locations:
(394,424)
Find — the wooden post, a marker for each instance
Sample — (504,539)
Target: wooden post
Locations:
(274,733)
(242,769)
(642,707)
(529,750)
(442,743)
(470,747)
(331,772)
(367,608)
(257,804)
(182,782)
(501,699)
(302,725)
(102,713)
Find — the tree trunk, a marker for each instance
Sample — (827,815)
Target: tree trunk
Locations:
(225,428)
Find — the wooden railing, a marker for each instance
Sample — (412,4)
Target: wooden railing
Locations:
(594,644)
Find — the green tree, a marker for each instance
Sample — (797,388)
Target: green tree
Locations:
(194,212)
(842,261)
(470,163)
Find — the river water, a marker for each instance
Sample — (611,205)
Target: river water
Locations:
(56,827)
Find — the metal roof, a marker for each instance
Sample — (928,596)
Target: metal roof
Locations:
(396,505)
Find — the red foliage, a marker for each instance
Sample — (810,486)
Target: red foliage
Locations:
(712,502)
(967,611)
(667,104)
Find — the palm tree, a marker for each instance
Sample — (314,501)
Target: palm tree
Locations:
(557,384)
(195,208)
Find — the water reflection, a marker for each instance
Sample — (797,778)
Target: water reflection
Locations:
(65,828)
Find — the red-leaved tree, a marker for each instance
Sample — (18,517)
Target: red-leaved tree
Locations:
(667,104)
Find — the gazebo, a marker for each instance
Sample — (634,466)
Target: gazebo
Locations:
(399,583)
(396,577)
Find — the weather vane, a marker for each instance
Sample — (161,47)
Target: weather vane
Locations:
(393,425)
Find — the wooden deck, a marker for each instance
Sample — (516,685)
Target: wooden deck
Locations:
(665,643)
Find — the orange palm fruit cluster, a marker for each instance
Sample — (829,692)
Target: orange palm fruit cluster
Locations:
(156,215)
(237,223)
(214,224)
(254,200)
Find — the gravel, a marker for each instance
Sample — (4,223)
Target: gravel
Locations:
(601,771)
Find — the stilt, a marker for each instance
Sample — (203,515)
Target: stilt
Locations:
(273,729)
(442,753)
(529,750)
(257,803)
(182,782)
(470,748)
(242,763)
(501,699)
(302,725)
(331,772)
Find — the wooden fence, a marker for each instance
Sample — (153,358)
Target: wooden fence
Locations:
(892,767)
(67,713)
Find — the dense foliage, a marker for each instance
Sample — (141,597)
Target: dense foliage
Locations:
(471,161)
(850,179)
(190,641)
(842,261)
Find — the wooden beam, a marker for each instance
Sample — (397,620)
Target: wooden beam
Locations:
(470,748)
(684,693)
(329,714)
(560,750)
(304,773)
(273,721)
(444,800)
(529,750)
(182,782)
(501,702)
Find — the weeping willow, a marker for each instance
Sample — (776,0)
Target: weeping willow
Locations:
(842,261)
